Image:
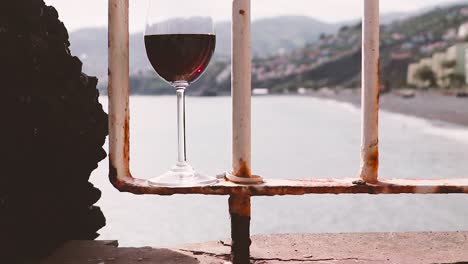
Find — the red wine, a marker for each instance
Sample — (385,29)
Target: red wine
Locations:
(180,57)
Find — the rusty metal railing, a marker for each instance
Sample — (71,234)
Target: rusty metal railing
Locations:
(241,184)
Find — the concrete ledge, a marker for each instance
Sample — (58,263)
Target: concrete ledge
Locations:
(411,248)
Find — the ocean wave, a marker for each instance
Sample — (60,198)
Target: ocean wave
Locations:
(457,134)
(428,127)
(345,105)
(432,127)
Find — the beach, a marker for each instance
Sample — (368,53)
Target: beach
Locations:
(437,106)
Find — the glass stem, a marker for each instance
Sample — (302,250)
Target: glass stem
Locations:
(182,155)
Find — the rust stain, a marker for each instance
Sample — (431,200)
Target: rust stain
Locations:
(126,150)
(112,171)
(239,201)
(242,12)
(449,189)
(371,163)
(114,178)
(243,170)
(378,83)
(139,187)
(239,210)
(372,159)
(239,205)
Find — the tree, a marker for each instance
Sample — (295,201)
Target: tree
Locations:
(455,80)
(426,76)
(448,64)
(343,28)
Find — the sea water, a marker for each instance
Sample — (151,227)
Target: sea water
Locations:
(292,137)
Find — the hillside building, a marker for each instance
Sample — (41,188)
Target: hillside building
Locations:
(446,66)
(463,31)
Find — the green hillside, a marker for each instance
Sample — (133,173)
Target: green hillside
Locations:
(335,61)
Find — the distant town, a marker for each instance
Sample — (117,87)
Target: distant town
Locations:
(425,51)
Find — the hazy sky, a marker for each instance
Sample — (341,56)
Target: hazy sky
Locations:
(90,13)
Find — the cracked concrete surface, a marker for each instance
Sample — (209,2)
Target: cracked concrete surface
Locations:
(401,248)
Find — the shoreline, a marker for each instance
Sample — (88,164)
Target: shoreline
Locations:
(430,105)
(433,106)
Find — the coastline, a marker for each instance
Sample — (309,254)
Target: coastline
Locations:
(431,105)
(434,106)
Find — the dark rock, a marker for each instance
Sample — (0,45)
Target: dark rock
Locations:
(52,132)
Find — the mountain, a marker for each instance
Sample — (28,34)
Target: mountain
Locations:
(286,33)
(391,17)
(273,35)
(90,44)
(269,36)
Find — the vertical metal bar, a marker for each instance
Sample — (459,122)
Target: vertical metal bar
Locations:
(241,94)
(241,87)
(370,92)
(239,209)
(239,205)
(118,91)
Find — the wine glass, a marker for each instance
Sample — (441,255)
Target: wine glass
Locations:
(179,45)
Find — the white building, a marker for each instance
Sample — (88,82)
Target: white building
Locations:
(458,54)
(463,31)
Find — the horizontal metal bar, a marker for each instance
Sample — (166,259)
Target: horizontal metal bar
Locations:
(272,187)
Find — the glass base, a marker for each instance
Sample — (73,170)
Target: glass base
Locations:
(182,175)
